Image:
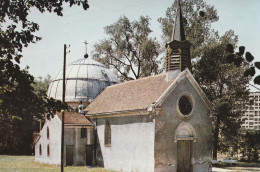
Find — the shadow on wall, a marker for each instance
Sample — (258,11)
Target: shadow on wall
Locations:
(99,156)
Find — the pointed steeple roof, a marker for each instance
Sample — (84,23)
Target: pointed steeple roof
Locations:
(178,33)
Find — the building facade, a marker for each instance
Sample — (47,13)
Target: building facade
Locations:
(158,123)
(85,79)
(78,141)
(251,117)
(152,124)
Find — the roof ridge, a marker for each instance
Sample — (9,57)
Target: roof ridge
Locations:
(136,80)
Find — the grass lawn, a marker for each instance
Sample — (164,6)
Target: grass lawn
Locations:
(27,164)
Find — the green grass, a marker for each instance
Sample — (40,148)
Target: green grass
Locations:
(27,164)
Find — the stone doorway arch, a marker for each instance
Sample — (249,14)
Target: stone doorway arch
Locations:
(185,135)
(185,131)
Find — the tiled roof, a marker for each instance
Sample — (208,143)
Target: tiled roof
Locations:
(74,118)
(129,96)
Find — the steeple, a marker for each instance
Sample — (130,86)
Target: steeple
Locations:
(178,50)
(178,33)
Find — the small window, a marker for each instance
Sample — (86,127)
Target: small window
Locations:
(48,133)
(107,134)
(40,149)
(185,105)
(48,150)
(83,133)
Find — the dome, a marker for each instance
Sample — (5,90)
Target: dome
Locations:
(85,79)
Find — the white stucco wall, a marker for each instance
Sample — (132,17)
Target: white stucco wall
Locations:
(54,125)
(132,145)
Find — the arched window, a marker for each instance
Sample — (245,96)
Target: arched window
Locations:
(48,150)
(48,133)
(107,134)
(40,149)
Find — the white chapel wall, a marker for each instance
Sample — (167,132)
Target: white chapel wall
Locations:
(132,143)
(54,125)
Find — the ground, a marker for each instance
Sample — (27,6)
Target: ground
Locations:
(27,164)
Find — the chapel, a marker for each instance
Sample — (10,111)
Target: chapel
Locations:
(158,123)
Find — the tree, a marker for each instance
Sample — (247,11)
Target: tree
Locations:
(41,85)
(237,58)
(225,88)
(28,104)
(198,17)
(250,144)
(19,104)
(129,49)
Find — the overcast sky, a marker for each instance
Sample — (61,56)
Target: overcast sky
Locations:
(78,25)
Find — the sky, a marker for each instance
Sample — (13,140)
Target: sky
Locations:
(77,26)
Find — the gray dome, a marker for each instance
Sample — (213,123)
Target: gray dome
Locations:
(85,79)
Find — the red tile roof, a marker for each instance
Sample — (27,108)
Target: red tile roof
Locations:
(130,95)
(74,118)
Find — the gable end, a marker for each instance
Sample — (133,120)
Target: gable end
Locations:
(185,74)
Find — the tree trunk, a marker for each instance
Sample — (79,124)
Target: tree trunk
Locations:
(216,139)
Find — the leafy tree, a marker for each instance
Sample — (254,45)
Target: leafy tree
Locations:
(250,144)
(129,49)
(237,58)
(198,17)
(224,87)
(19,104)
(41,85)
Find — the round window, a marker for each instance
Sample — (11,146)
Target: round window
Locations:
(185,105)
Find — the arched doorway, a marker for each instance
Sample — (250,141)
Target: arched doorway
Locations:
(185,135)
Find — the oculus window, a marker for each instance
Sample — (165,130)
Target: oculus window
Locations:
(185,105)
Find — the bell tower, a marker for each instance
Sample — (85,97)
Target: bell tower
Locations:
(178,50)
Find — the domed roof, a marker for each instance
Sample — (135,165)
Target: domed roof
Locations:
(85,79)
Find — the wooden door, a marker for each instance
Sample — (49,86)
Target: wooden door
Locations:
(69,155)
(184,156)
(89,155)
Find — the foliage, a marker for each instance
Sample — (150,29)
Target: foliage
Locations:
(250,144)
(41,85)
(237,58)
(224,87)
(198,17)
(129,49)
(19,104)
